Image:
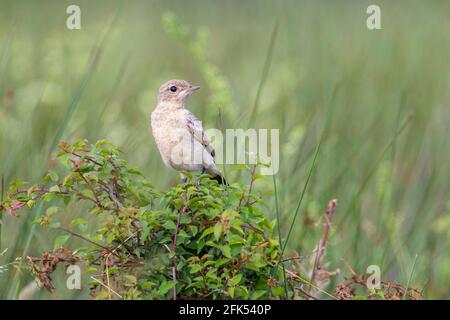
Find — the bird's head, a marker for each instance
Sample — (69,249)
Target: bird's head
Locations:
(176,91)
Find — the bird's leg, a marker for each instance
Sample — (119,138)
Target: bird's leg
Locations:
(202,172)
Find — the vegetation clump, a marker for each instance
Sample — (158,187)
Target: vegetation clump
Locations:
(198,240)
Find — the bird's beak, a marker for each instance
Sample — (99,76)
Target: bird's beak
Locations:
(193,88)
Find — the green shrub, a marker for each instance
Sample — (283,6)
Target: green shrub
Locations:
(197,240)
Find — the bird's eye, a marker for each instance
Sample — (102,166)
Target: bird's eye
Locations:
(173,89)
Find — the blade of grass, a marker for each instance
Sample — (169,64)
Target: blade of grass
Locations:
(221,128)
(294,218)
(410,276)
(264,75)
(277,210)
(2,192)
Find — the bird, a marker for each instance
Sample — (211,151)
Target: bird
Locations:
(179,135)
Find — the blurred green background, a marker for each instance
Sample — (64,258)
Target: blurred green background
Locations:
(379,101)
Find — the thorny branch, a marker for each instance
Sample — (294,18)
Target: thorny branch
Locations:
(44,266)
(320,272)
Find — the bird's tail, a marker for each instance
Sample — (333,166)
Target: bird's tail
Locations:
(220,179)
(217,175)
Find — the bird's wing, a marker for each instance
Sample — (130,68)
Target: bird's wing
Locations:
(195,127)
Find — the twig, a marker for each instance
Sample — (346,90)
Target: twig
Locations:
(113,251)
(252,180)
(88,240)
(107,275)
(81,156)
(319,271)
(174,247)
(174,277)
(295,258)
(107,287)
(306,293)
(111,195)
(177,227)
(292,274)
(249,226)
(97,200)
(123,242)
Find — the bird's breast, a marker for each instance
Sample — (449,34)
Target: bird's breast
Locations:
(168,128)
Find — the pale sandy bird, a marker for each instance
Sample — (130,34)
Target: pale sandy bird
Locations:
(179,135)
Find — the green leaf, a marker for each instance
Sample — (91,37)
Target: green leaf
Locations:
(131,278)
(235,239)
(193,230)
(53,176)
(135,171)
(88,193)
(241,166)
(148,285)
(236,279)
(258,294)
(212,244)
(195,268)
(183,233)
(206,232)
(237,227)
(185,219)
(169,225)
(221,261)
(278,291)
(218,230)
(103,295)
(16,184)
(68,180)
(257,176)
(48,197)
(231,292)
(165,287)
(103,143)
(66,199)
(226,250)
(61,240)
(55,188)
(52,210)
